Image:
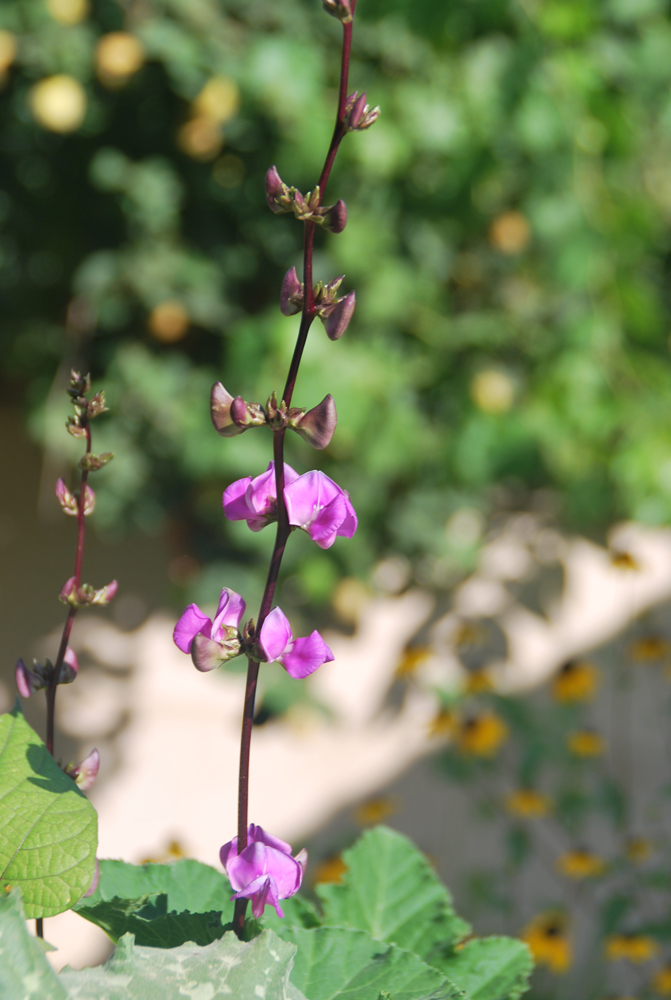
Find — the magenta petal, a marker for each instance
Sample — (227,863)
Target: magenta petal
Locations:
(261,891)
(324,527)
(306,656)
(189,625)
(228,850)
(256,860)
(207,654)
(275,634)
(24,678)
(230,610)
(306,494)
(257,835)
(235,504)
(351,522)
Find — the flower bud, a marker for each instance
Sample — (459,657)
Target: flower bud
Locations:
(69,667)
(277,192)
(207,654)
(292,294)
(339,8)
(89,501)
(79,384)
(220,411)
(91,463)
(245,415)
(318,425)
(74,427)
(66,499)
(67,595)
(27,681)
(335,219)
(338,319)
(358,116)
(105,594)
(96,405)
(85,774)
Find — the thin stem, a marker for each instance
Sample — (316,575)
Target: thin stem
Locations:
(283,526)
(39,927)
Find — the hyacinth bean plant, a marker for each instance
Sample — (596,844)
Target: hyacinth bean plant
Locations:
(387,929)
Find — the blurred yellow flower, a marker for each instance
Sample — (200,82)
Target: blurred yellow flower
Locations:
(412,658)
(118,56)
(585,743)
(68,11)
(661,982)
(468,634)
(219,99)
(8,49)
(58,103)
(492,391)
(330,870)
(638,850)
(528,803)
(576,681)
(510,233)
(444,723)
(635,948)
(549,943)
(481,735)
(580,864)
(174,851)
(649,648)
(200,138)
(478,681)
(621,559)
(376,810)
(168,321)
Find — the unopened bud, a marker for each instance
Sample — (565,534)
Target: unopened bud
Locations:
(96,405)
(105,594)
(89,501)
(338,319)
(220,411)
(67,595)
(79,384)
(69,667)
(85,774)
(27,681)
(245,415)
(207,654)
(292,294)
(277,192)
(339,8)
(358,116)
(335,219)
(66,499)
(91,463)
(75,428)
(318,425)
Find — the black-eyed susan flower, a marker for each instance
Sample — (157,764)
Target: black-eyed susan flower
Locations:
(577,681)
(549,942)
(585,743)
(580,864)
(527,803)
(444,723)
(650,649)
(482,734)
(636,948)
(478,681)
(412,660)
(330,870)
(376,810)
(661,982)
(623,560)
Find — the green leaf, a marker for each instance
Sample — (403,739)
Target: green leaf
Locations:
(494,968)
(48,828)
(335,963)
(391,891)
(230,969)
(25,974)
(162,905)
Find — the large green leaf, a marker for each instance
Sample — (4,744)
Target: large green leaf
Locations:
(335,963)
(161,905)
(224,970)
(494,968)
(48,829)
(25,973)
(391,891)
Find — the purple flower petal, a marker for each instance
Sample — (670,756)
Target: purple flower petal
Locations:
(257,835)
(189,625)
(326,523)
(234,500)
(258,859)
(275,635)
(229,612)
(319,506)
(306,656)
(207,654)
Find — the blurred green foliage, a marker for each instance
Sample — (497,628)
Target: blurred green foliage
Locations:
(508,239)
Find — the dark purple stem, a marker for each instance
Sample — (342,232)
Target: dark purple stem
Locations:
(283,527)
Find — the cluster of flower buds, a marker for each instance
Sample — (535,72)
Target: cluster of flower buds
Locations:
(86,594)
(342,9)
(92,463)
(213,641)
(28,681)
(358,115)
(307,208)
(334,313)
(313,501)
(70,501)
(85,774)
(232,416)
(265,871)
(85,409)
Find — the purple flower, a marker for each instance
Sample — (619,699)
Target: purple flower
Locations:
(265,871)
(292,293)
(85,774)
(255,500)
(209,641)
(335,219)
(317,505)
(299,657)
(318,425)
